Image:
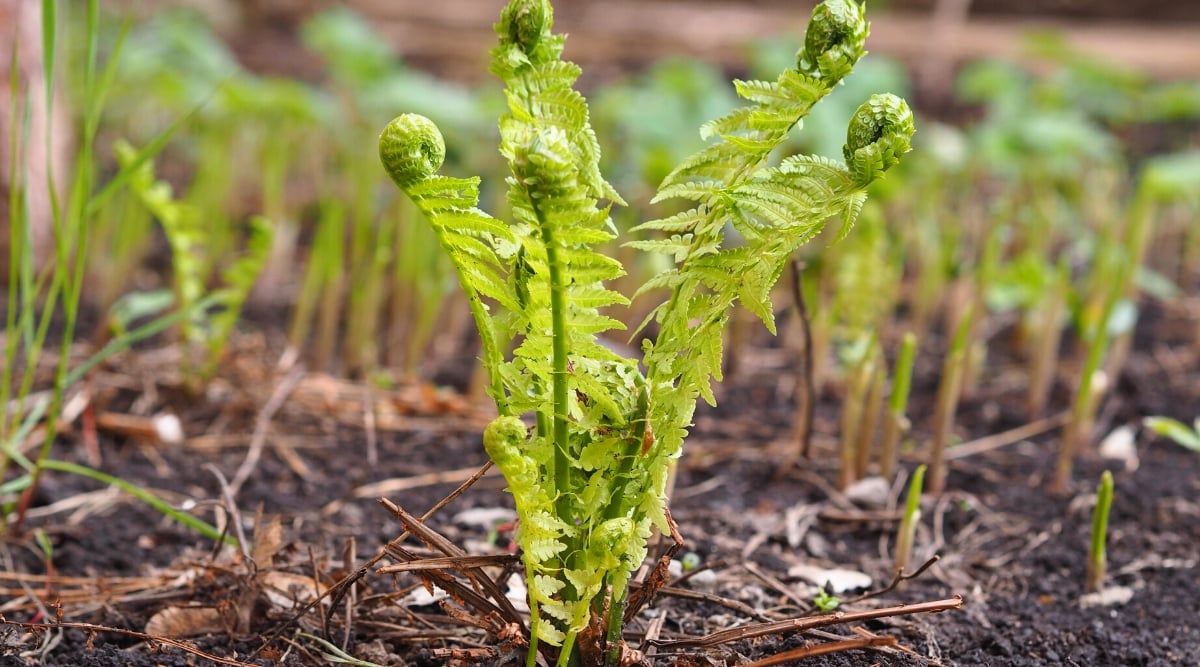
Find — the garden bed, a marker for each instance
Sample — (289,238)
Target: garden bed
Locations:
(1012,551)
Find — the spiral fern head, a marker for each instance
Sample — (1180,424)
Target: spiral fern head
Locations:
(542,161)
(504,437)
(411,149)
(834,41)
(879,133)
(525,22)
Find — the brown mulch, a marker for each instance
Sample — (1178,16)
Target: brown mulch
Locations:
(1012,551)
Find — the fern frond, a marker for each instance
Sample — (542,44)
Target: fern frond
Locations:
(680,222)
(411,149)
(766,93)
(709,164)
(775,209)
(705,192)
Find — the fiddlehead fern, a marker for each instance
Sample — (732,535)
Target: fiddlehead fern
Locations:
(834,41)
(879,133)
(411,150)
(589,478)
(774,210)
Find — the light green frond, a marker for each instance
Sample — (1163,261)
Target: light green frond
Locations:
(802,91)
(680,222)
(599,395)
(677,246)
(590,266)
(705,192)
(595,296)
(766,93)
(474,222)
(713,162)
(737,120)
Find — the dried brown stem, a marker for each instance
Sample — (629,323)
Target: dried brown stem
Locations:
(822,649)
(92,629)
(338,591)
(808,623)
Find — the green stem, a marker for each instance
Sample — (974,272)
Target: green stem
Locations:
(558,315)
(1078,432)
(616,614)
(908,524)
(894,425)
(198,525)
(1098,560)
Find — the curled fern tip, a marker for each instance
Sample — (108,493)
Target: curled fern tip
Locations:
(543,163)
(525,22)
(504,437)
(411,149)
(834,41)
(879,133)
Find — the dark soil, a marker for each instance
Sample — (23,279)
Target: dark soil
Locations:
(1013,552)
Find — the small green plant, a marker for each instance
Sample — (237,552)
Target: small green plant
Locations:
(896,422)
(1097,562)
(206,331)
(825,601)
(589,476)
(1176,431)
(907,532)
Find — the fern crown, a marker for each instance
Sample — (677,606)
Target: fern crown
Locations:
(589,471)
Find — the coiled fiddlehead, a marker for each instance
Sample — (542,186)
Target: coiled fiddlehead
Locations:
(879,133)
(834,42)
(411,149)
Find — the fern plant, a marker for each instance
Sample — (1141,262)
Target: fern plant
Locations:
(589,471)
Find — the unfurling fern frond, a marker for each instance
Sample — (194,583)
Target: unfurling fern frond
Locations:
(411,149)
(774,209)
(590,471)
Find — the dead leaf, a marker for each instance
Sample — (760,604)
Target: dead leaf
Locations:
(178,622)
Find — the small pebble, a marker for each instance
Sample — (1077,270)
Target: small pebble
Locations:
(870,492)
(1113,596)
(1121,445)
(485,517)
(705,580)
(838,580)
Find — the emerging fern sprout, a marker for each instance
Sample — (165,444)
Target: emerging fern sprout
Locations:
(589,474)
(895,421)
(526,23)
(1097,564)
(834,40)
(907,533)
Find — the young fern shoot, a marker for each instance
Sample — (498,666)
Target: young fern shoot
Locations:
(775,210)
(1097,563)
(589,478)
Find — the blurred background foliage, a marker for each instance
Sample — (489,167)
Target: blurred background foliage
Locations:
(1024,178)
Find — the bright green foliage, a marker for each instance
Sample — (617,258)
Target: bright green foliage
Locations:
(825,601)
(1176,431)
(589,479)
(1097,564)
(775,210)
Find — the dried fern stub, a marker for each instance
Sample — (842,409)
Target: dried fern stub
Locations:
(589,477)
